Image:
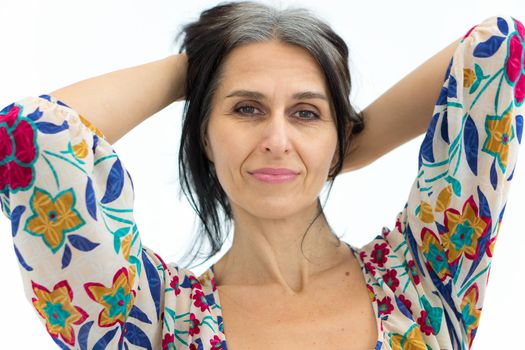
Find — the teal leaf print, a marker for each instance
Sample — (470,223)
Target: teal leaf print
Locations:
(83,334)
(15,218)
(66,257)
(91,204)
(136,336)
(81,243)
(488,48)
(435,314)
(22,261)
(103,342)
(114,184)
(471,141)
(117,235)
(479,78)
(456,185)
(493,175)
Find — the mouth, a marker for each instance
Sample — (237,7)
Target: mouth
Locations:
(274,175)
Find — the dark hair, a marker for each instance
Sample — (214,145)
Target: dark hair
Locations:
(207,41)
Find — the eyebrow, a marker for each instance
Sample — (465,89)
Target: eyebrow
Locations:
(303,95)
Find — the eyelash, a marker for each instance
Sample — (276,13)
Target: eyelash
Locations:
(315,115)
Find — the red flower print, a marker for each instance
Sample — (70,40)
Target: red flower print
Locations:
(406,302)
(116,300)
(380,254)
(17,149)
(57,309)
(175,284)
(385,306)
(391,280)
(200,300)
(515,62)
(169,339)
(464,231)
(195,283)
(213,284)
(369,267)
(424,323)
(216,343)
(398,225)
(193,346)
(362,255)
(194,324)
(413,272)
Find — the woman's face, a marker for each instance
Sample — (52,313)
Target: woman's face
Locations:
(271,134)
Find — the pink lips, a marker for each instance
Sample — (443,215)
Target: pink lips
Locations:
(274,175)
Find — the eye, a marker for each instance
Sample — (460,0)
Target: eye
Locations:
(303,114)
(308,115)
(245,109)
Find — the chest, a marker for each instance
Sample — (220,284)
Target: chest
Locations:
(332,317)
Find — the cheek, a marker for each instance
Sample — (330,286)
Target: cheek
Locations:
(228,155)
(320,156)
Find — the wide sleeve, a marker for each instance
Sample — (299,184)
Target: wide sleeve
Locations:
(466,165)
(70,203)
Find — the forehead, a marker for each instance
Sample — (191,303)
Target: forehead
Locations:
(272,63)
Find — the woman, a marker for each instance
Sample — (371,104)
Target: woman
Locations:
(262,135)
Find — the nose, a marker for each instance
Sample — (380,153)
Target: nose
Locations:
(276,136)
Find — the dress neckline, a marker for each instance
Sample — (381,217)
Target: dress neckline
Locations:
(211,275)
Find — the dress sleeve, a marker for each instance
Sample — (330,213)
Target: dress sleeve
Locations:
(70,203)
(466,165)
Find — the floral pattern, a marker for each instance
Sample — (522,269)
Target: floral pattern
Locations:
(70,202)
(57,309)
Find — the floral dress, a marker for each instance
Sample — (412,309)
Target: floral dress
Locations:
(70,199)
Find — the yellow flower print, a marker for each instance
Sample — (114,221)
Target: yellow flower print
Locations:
(435,254)
(500,133)
(57,309)
(117,300)
(469,76)
(81,149)
(463,231)
(53,217)
(91,127)
(411,340)
(470,312)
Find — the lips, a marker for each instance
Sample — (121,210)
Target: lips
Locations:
(274,175)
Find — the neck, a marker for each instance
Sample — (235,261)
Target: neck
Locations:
(267,252)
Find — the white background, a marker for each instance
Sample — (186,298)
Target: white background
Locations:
(47,45)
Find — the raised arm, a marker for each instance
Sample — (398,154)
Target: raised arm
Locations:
(402,113)
(116,102)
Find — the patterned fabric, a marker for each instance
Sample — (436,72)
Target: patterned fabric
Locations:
(70,203)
